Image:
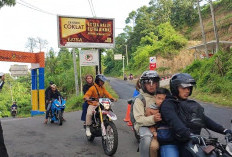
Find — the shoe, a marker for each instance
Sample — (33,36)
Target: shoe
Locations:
(88,133)
(45,121)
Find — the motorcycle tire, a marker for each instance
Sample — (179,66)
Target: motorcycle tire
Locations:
(110,147)
(60,118)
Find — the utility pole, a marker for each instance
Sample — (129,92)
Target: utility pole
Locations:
(202,29)
(126,56)
(123,69)
(75,71)
(214,25)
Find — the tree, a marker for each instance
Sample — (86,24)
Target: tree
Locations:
(41,43)
(7,3)
(31,44)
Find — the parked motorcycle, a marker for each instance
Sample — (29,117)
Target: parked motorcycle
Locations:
(57,110)
(103,126)
(13,112)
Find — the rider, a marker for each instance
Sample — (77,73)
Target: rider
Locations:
(181,86)
(46,93)
(96,91)
(89,83)
(14,105)
(52,94)
(149,82)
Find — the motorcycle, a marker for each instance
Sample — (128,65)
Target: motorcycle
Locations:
(210,146)
(103,126)
(57,110)
(13,112)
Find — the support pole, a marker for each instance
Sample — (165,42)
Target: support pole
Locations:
(123,69)
(75,71)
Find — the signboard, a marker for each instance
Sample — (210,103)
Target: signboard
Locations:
(118,57)
(18,70)
(85,32)
(152,65)
(89,57)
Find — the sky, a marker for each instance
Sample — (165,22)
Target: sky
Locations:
(20,22)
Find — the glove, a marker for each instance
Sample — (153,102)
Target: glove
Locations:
(228,134)
(227,131)
(196,139)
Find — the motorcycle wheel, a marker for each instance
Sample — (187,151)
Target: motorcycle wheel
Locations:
(110,143)
(60,119)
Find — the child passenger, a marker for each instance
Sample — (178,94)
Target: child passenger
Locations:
(160,129)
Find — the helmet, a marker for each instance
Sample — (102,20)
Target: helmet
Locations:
(149,76)
(51,82)
(100,77)
(181,79)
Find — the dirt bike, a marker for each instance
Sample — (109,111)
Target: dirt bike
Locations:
(13,112)
(103,126)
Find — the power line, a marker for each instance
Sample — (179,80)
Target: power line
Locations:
(28,5)
(91,8)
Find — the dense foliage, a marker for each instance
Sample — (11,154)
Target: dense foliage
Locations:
(213,75)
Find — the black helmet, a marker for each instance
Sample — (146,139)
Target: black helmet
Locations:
(149,76)
(100,77)
(181,79)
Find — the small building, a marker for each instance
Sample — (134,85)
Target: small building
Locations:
(211,46)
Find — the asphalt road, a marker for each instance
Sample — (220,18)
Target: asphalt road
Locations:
(29,137)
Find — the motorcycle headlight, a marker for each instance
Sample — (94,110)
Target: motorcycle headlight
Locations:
(64,105)
(106,106)
(57,105)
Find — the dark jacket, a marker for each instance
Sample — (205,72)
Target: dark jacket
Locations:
(14,105)
(169,112)
(86,88)
(53,95)
(46,92)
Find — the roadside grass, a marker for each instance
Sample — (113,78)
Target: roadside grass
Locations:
(216,99)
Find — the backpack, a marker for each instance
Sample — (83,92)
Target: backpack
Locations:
(191,113)
(132,101)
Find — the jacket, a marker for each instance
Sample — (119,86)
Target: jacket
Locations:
(93,93)
(169,113)
(53,95)
(86,87)
(139,111)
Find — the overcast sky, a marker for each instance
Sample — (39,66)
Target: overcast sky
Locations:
(20,22)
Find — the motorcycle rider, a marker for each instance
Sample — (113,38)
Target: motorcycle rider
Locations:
(52,94)
(89,82)
(49,88)
(149,82)
(3,150)
(181,86)
(14,105)
(95,91)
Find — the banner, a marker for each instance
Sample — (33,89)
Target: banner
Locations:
(85,32)
(89,57)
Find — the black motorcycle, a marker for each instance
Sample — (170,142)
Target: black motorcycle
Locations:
(210,146)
